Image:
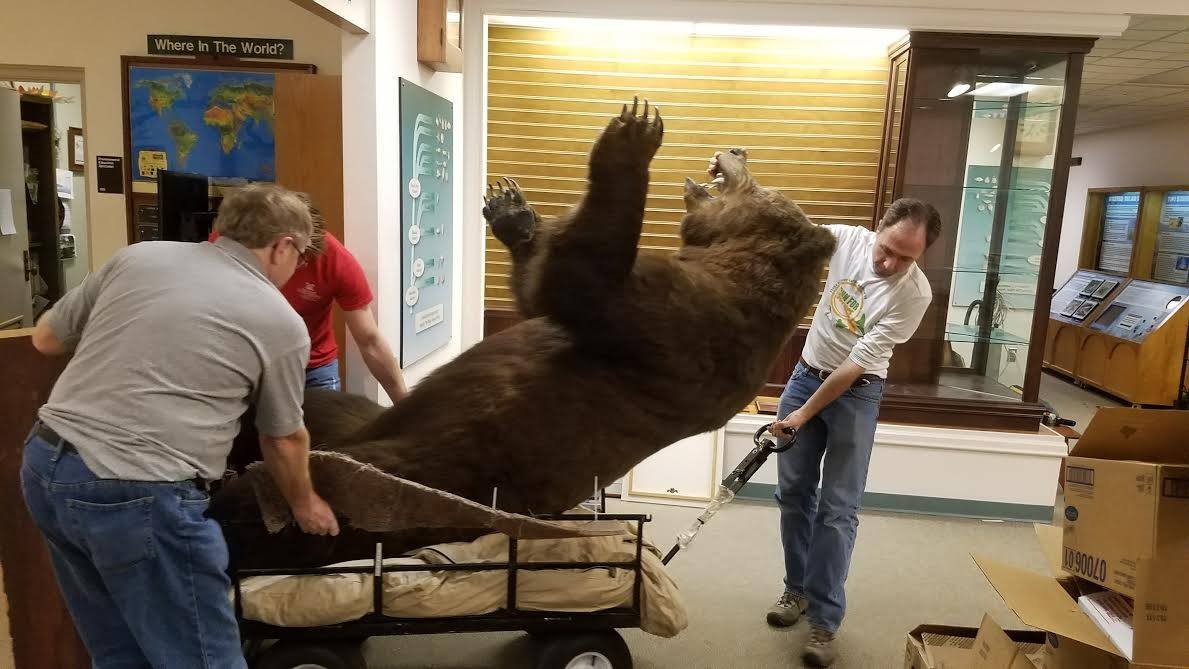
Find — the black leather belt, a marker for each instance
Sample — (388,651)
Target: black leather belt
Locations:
(864,380)
(46,434)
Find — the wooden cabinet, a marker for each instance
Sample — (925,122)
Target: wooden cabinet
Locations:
(1126,337)
(42,632)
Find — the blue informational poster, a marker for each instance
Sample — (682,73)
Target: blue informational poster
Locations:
(1172,245)
(1118,231)
(218,123)
(427,220)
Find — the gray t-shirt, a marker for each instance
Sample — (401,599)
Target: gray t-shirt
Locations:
(172,341)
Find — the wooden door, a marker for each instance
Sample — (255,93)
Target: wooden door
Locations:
(309,141)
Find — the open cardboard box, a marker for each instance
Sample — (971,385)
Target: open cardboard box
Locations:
(1160,626)
(988,647)
(1127,496)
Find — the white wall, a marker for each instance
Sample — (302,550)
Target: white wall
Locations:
(92,35)
(372,67)
(1142,155)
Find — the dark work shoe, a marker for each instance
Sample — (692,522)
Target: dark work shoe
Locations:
(787,610)
(820,650)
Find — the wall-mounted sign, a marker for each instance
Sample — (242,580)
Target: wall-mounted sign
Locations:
(109,174)
(237,47)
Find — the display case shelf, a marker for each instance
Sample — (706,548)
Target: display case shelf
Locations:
(960,333)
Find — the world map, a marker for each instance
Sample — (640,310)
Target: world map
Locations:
(218,123)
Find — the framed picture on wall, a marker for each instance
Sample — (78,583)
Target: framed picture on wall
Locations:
(208,117)
(76,150)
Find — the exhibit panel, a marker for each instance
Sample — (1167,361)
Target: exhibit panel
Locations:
(1125,337)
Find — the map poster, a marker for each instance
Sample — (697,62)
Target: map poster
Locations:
(427,220)
(213,122)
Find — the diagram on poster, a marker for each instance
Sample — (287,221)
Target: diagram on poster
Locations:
(1118,231)
(1172,245)
(427,220)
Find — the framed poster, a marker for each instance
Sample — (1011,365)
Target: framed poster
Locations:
(427,220)
(76,150)
(202,116)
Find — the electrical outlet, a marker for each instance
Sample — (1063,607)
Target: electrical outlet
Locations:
(1011,355)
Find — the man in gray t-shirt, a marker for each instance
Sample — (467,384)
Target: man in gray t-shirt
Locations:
(171,342)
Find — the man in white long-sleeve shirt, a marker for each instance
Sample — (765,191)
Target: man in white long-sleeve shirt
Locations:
(875,298)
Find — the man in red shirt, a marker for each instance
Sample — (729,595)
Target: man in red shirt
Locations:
(327,274)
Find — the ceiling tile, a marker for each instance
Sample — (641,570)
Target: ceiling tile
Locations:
(1147,35)
(1120,43)
(1177,77)
(1150,22)
(1165,46)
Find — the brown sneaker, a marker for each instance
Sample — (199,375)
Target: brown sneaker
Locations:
(787,610)
(819,650)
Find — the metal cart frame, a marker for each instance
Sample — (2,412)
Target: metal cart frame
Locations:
(547,625)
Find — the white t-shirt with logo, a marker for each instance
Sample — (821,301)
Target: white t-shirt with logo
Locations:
(862,316)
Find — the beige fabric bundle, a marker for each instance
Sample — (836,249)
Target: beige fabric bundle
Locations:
(376,501)
(323,600)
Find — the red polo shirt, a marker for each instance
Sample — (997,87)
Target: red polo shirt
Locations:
(333,276)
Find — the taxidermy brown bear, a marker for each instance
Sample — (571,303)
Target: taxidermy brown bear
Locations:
(619,356)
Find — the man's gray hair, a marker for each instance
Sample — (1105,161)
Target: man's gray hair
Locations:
(257,215)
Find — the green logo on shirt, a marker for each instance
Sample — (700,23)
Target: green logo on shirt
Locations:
(846,306)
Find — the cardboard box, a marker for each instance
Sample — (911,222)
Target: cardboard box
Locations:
(988,647)
(1160,625)
(1127,496)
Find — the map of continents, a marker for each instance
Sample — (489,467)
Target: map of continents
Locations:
(217,123)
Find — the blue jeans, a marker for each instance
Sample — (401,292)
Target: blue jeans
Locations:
(818,529)
(325,376)
(142,570)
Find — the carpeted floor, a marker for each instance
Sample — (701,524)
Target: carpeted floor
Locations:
(907,570)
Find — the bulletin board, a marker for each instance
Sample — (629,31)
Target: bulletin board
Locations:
(427,220)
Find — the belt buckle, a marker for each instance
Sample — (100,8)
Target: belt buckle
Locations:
(862,383)
(822,375)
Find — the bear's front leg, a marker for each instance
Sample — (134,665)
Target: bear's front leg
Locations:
(590,255)
(512,220)
(519,228)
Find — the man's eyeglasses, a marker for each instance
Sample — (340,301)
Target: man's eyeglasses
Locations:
(301,253)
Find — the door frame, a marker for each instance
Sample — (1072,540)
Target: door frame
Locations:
(63,75)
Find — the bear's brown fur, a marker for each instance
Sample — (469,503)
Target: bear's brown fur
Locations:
(619,356)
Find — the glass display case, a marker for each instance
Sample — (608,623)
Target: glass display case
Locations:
(982,129)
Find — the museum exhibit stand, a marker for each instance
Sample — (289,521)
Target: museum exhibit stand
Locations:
(1119,323)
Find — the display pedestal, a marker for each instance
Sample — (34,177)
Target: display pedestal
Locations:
(1131,344)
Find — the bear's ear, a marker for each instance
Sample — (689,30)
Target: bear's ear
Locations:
(695,195)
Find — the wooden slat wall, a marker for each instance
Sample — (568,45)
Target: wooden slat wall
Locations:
(809,113)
